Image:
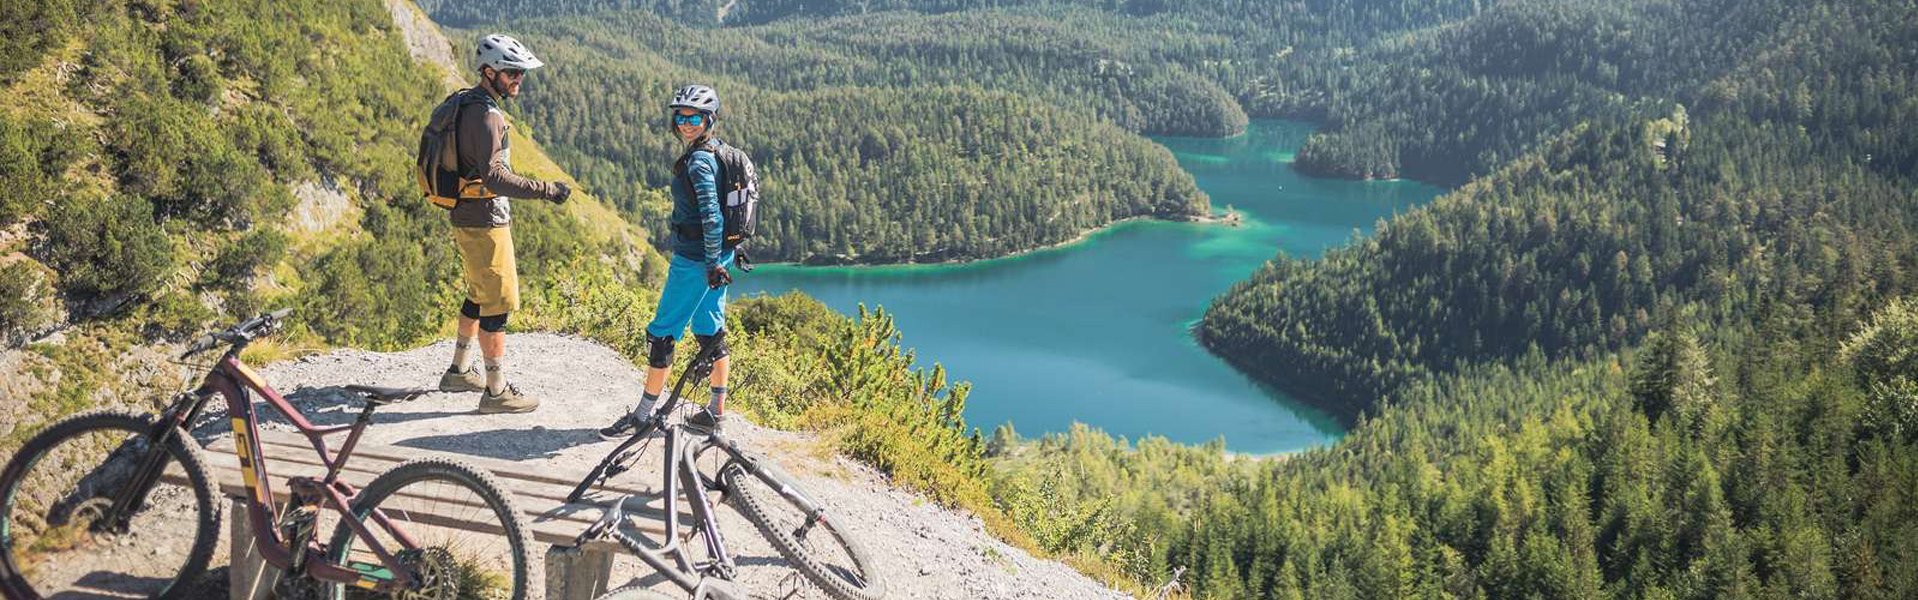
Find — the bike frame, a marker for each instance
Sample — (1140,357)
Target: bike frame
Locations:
(232,379)
(682,478)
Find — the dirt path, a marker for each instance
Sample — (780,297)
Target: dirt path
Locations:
(923,550)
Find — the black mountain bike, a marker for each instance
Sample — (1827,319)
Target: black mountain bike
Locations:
(797,524)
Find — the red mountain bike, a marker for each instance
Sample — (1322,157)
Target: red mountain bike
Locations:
(111,503)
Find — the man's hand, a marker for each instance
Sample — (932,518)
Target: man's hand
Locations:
(717,277)
(564,192)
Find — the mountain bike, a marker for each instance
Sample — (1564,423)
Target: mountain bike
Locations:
(793,520)
(113,503)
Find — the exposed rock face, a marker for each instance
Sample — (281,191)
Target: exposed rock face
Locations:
(321,204)
(425,41)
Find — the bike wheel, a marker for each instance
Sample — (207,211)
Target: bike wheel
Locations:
(53,540)
(471,539)
(829,556)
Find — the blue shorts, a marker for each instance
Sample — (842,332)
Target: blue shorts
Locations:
(686,299)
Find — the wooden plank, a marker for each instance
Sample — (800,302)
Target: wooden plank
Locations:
(530,496)
(549,526)
(547,489)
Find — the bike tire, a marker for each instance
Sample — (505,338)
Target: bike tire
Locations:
(14,574)
(828,555)
(418,507)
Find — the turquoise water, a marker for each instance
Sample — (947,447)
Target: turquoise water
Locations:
(1099,331)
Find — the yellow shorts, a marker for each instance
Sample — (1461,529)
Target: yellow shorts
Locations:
(492,278)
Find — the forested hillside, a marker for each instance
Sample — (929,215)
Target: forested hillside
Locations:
(1620,224)
(863,160)
(1660,356)
(1707,464)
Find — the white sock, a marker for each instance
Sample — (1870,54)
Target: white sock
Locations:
(462,354)
(495,374)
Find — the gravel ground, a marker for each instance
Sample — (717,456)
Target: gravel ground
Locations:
(923,550)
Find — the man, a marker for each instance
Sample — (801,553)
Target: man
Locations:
(696,280)
(482,227)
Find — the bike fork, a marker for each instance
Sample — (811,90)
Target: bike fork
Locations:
(131,497)
(704,512)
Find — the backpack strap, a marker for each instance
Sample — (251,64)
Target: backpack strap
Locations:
(719,184)
(472,95)
(712,145)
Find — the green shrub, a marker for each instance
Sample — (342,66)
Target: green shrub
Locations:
(106,246)
(33,29)
(243,259)
(33,155)
(27,299)
(199,80)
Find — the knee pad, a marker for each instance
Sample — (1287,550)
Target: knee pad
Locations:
(659,351)
(493,324)
(714,346)
(470,309)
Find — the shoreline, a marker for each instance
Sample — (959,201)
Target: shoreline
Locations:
(1231,217)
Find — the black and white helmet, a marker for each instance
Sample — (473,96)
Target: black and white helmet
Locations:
(503,52)
(696,97)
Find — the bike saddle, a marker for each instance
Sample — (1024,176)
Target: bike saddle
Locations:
(387,395)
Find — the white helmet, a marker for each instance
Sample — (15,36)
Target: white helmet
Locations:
(503,52)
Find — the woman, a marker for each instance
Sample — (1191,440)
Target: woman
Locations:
(695,291)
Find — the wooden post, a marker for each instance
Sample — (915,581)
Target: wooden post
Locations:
(249,577)
(574,573)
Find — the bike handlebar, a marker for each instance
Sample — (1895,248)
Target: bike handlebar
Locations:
(248,330)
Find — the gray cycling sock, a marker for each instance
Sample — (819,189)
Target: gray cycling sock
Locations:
(718,403)
(646,404)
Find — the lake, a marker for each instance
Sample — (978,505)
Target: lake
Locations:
(1099,331)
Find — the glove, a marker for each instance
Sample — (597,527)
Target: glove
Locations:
(564,192)
(717,277)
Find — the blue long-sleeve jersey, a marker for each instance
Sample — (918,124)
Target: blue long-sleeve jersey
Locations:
(696,208)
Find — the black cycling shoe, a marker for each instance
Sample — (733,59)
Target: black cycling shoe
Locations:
(704,419)
(626,425)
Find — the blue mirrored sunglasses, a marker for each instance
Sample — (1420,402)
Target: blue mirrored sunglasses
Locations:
(693,120)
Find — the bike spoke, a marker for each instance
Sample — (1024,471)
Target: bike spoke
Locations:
(444,532)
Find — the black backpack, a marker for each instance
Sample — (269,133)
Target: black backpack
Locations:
(738,190)
(437,162)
